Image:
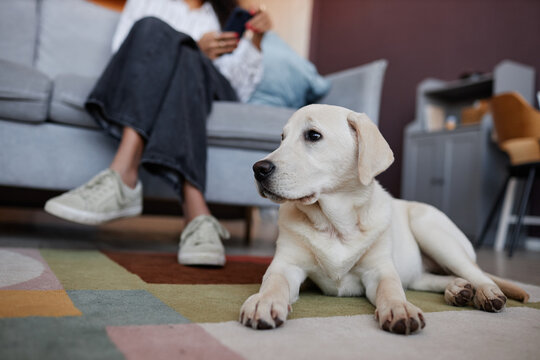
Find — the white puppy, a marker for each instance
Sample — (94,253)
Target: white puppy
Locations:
(339,227)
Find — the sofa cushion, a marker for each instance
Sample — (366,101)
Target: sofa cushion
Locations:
(246,125)
(75,37)
(18,28)
(288,80)
(230,124)
(24,92)
(67,100)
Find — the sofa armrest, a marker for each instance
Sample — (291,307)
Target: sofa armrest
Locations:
(358,88)
(24,92)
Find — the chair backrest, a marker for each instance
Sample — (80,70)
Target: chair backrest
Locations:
(514,118)
(74,37)
(18,31)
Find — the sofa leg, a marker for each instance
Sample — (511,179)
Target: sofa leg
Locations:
(249,225)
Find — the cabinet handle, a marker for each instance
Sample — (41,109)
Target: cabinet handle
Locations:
(437,181)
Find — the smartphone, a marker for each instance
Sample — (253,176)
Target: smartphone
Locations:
(237,21)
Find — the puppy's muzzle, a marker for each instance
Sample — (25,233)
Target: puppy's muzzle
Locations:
(263,169)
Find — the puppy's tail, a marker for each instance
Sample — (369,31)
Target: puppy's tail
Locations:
(510,289)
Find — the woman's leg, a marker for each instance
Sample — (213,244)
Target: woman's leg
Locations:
(128,157)
(200,242)
(126,164)
(194,203)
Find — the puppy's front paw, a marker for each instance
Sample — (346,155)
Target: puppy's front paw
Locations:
(459,292)
(263,312)
(400,317)
(489,298)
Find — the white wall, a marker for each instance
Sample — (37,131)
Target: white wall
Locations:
(291,20)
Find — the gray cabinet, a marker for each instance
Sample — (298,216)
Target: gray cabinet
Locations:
(462,175)
(459,171)
(424,171)
(444,169)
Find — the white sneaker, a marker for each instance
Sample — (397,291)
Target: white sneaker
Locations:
(200,242)
(105,197)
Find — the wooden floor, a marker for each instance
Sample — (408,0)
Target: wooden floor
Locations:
(35,228)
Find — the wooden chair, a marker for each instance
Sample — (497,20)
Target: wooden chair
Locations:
(517,126)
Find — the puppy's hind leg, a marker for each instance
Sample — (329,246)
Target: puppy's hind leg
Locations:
(457,291)
(443,242)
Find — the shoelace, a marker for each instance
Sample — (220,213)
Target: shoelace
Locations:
(96,188)
(196,223)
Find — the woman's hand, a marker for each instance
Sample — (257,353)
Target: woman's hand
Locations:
(259,24)
(214,44)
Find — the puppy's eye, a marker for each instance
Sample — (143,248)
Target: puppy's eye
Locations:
(282,137)
(312,135)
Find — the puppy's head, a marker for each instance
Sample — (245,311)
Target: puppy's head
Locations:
(323,149)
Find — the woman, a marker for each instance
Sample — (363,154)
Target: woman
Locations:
(171,61)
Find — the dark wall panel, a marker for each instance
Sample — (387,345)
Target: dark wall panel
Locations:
(421,38)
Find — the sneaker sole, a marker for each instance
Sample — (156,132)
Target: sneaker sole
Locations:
(201,259)
(87,217)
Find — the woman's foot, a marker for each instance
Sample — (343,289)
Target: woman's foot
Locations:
(200,242)
(105,197)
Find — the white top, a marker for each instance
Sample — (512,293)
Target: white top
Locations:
(243,67)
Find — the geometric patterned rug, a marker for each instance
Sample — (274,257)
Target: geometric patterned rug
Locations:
(89,304)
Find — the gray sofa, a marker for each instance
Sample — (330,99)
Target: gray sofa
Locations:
(51,53)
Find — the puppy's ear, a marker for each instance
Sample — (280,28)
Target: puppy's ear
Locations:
(374,153)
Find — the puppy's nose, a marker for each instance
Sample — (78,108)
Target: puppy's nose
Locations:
(263,169)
